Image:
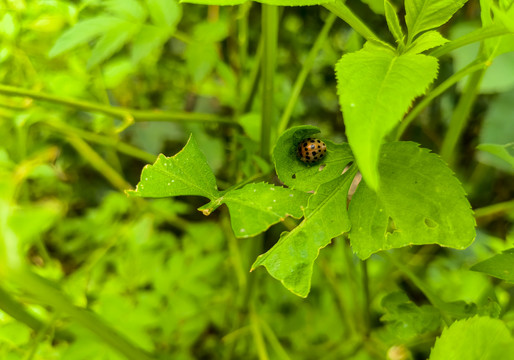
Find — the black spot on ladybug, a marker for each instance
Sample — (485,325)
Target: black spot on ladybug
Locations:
(311,150)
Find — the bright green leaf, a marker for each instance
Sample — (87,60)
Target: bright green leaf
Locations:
(500,266)
(82,33)
(292,258)
(112,41)
(186,173)
(270,2)
(425,41)
(504,152)
(148,39)
(298,175)
(393,22)
(419,202)
(376,87)
(127,9)
(376,5)
(424,15)
(164,12)
(478,338)
(256,207)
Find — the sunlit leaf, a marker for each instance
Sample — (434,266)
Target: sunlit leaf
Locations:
(500,266)
(376,87)
(426,41)
(419,202)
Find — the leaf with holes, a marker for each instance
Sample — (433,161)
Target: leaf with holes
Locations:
(299,175)
(256,207)
(419,202)
(292,258)
(186,173)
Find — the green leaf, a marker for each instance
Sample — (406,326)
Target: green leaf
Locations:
(504,152)
(291,259)
(148,39)
(405,319)
(186,173)
(164,12)
(256,207)
(393,22)
(500,266)
(425,41)
(82,33)
(270,2)
(376,87)
(127,9)
(478,338)
(112,41)
(298,175)
(419,202)
(424,15)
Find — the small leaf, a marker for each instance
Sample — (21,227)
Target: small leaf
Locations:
(298,175)
(477,338)
(127,9)
(376,87)
(425,41)
(270,2)
(82,33)
(164,12)
(500,266)
(186,173)
(112,41)
(393,22)
(405,319)
(424,15)
(419,202)
(291,259)
(256,207)
(504,152)
(148,39)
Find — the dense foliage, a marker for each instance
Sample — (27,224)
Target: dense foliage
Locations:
(152,194)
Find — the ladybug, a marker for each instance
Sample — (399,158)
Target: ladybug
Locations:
(311,150)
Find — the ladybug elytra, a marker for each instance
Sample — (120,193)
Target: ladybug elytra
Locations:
(311,150)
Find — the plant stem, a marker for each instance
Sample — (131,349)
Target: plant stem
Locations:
(460,116)
(475,36)
(269,35)
(273,341)
(494,210)
(17,311)
(339,8)
(103,140)
(129,115)
(445,85)
(98,163)
(430,295)
(302,76)
(365,290)
(257,335)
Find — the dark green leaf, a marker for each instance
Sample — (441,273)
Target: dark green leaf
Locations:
(292,258)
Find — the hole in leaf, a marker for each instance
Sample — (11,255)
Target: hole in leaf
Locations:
(294,176)
(391,226)
(430,223)
(321,167)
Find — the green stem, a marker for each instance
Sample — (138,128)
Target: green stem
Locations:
(427,100)
(430,295)
(302,76)
(269,35)
(18,312)
(273,340)
(494,210)
(98,163)
(51,296)
(257,335)
(339,8)
(460,116)
(475,36)
(365,290)
(103,140)
(129,115)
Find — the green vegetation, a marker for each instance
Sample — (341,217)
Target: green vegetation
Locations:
(153,204)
